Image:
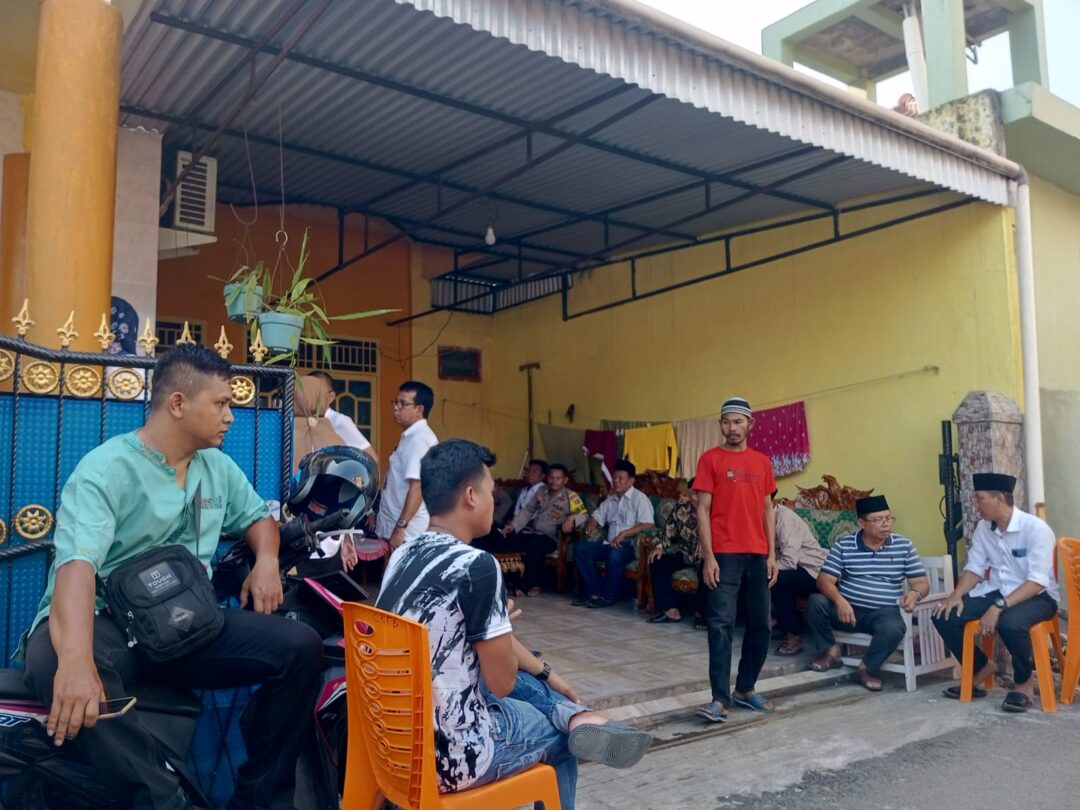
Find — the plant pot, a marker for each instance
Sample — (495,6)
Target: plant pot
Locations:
(244,307)
(281,330)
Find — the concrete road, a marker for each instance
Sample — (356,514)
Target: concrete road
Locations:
(843,749)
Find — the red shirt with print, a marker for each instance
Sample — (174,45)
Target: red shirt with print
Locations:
(739,483)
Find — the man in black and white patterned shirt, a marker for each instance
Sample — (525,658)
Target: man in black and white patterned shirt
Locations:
(498,708)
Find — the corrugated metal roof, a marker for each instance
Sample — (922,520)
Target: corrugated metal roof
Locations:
(626,129)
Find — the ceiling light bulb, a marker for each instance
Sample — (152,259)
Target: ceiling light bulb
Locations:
(489,237)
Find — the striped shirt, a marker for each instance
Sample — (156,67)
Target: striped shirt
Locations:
(873,579)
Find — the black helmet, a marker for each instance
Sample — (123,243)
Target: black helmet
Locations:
(332,479)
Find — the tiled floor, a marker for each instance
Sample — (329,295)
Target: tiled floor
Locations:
(613,656)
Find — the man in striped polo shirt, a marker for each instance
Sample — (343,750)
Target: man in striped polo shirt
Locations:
(861,589)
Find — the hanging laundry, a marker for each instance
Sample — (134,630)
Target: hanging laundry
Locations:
(653,448)
(602,444)
(564,446)
(695,436)
(781,434)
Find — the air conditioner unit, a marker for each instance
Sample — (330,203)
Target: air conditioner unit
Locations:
(193,208)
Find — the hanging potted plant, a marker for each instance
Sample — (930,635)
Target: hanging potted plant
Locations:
(298,315)
(245,292)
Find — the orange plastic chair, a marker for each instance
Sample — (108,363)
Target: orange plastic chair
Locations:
(1070,671)
(1041,635)
(391,750)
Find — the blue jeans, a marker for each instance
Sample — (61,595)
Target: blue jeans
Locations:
(531,725)
(587,554)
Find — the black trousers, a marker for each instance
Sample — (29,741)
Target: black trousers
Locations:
(790,585)
(749,573)
(884,625)
(663,592)
(1014,627)
(283,656)
(534,548)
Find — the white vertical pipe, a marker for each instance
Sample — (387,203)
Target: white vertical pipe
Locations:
(1029,345)
(916,58)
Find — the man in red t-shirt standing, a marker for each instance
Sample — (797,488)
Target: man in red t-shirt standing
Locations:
(737,532)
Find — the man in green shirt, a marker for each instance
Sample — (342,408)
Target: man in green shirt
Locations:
(136,492)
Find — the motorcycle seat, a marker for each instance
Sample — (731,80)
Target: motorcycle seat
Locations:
(161,699)
(13,686)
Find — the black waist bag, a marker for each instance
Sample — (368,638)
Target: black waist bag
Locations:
(164,603)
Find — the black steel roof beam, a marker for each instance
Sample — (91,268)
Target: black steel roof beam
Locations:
(483,250)
(476,109)
(671,192)
(435,176)
(369,165)
(416,224)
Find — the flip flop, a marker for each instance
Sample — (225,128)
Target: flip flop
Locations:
(663,618)
(755,703)
(1016,703)
(953,692)
(699,624)
(787,648)
(823,663)
(533,593)
(614,744)
(713,712)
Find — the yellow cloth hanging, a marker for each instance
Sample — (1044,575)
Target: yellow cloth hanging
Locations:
(652,448)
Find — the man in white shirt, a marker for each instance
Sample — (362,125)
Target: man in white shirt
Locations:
(343,426)
(626,512)
(535,476)
(1015,552)
(402,515)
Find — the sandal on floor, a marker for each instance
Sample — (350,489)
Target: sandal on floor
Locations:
(533,592)
(713,712)
(1016,702)
(614,744)
(787,648)
(663,618)
(825,662)
(953,692)
(699,623)
(755,703)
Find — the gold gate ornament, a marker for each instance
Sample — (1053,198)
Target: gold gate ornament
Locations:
(33,521)
(83,381)
(40,377)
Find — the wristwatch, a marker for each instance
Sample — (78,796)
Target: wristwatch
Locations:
(1001,603)
(401,523)
(543,674)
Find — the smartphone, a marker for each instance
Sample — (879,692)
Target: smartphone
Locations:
(115,708)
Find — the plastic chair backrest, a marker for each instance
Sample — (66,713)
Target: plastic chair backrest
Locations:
(391,718)
(1070,555)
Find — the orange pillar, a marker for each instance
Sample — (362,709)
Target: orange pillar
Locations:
(13,238)
(72,192)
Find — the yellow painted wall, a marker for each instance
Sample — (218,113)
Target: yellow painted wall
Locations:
(1056,248)
(848,329)
(1055,215)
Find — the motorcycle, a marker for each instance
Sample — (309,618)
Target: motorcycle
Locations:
(36,775)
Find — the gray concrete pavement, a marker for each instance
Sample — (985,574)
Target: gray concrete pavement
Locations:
(843,748)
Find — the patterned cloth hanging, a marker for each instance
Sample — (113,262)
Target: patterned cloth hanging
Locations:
(781,434)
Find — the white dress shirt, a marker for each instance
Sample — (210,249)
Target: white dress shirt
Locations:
(526,495)
(1024,551)
(404,466)
(620,513)
(346,428)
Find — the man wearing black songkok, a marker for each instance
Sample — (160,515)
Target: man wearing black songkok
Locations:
(1008,585)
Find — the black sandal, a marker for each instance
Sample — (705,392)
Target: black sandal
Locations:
(1016,703)
(663,618)
(953,692)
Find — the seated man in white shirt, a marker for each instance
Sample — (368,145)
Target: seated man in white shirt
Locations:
(342,425)
(1020,591)
(535,476)
(626,512)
